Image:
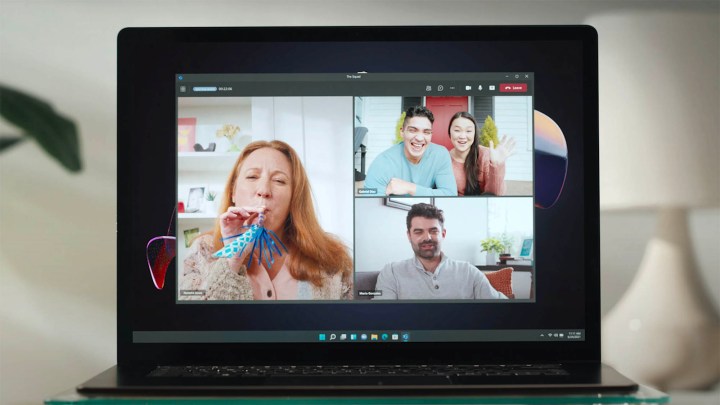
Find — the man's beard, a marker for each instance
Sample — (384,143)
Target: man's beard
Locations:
(426,253)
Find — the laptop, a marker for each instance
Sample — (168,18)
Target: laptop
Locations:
(332,210)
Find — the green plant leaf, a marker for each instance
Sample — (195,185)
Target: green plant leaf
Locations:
(8,141)
(55,133)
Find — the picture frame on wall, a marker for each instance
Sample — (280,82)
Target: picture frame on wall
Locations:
(196,196)
(526,250)
(190,235)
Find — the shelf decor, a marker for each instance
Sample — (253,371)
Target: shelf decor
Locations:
(195,199)
(227,133)
(186,134)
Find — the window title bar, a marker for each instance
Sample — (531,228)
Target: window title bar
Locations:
(379,84)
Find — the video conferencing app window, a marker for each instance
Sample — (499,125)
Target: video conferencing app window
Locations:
(355,188)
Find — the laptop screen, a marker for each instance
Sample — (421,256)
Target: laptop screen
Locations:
(329,201)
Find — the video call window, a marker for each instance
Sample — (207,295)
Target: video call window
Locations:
(439,205)
(392,150)
(294,170)
(471,234)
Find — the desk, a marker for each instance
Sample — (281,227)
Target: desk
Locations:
(644,395)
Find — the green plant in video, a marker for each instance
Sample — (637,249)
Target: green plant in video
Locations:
(489,133)
(56,134)
(398,128)
(491,245)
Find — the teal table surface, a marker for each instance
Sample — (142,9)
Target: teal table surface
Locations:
(645,395)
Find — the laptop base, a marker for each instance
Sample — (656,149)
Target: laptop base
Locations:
(581,378)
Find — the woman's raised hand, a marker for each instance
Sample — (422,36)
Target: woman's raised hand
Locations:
(504,150)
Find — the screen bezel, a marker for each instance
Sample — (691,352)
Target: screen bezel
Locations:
(147,54)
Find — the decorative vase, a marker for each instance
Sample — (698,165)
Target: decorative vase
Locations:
(664,331)
(210,207)
(491,258)
(223,145)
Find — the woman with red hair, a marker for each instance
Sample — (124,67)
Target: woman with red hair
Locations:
(268,181)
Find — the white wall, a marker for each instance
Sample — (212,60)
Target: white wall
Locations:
(57,310)
(511,218)
(466,223)
(380,235)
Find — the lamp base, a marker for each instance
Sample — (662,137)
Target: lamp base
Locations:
(665,331)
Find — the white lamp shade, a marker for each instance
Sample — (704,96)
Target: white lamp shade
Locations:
(659,108)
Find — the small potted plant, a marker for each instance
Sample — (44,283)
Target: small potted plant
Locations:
(210,202)
(493,247)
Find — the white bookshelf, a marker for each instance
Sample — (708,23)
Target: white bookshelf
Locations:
(206,162)
(197,215)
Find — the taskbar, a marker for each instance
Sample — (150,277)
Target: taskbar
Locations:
(360,336)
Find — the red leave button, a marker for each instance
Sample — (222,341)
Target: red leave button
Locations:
(513,87)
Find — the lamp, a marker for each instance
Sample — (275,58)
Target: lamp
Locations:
(659,149)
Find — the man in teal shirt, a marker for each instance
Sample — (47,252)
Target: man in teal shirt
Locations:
(416,166)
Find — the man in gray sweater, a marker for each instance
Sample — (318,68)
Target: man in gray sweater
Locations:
(431,274)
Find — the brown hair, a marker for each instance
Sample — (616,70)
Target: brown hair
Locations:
(418,111)
(472,185)
(426,211)
(312,250)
